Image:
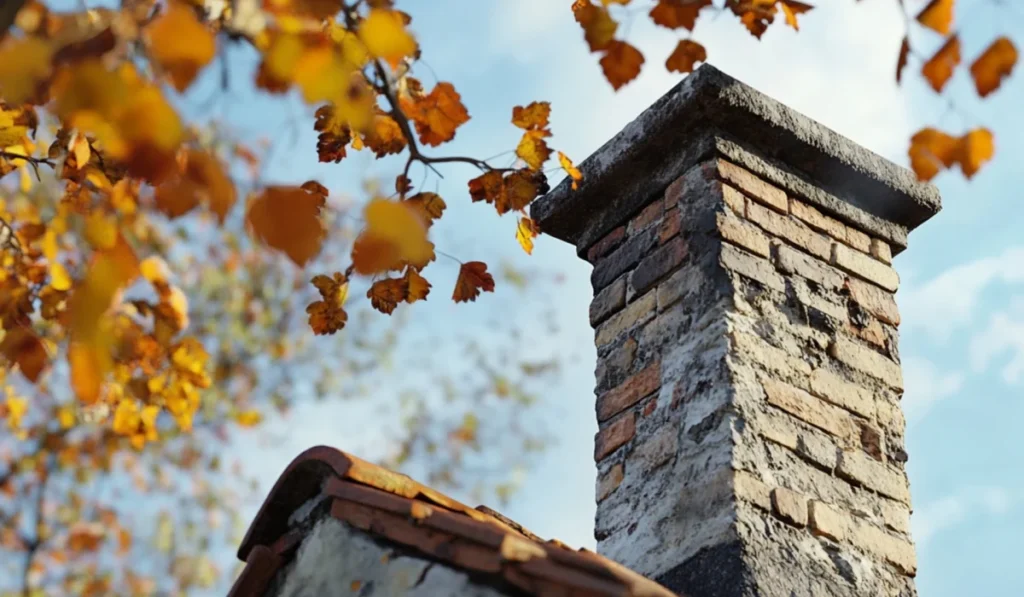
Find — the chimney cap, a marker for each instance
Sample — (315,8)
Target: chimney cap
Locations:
(681,128)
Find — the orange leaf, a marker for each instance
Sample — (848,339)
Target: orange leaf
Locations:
(203,180)
(429,206)
(473,278)
(932,151)
(901,63)
(678,13)
(510,193)
(526,231)
(394,235)
(993,65)
(598,25)
(327,316)
(384,136)
(570,169)
(417,287)
(939,69)
(180,44)
(621,63)
(437,114)
(976,148)
(25,65)
(288,219)
(385,294)
(533,117)
(21,346)
(685,56)
(938,16)
(383,32)
(533,149)
(792,8)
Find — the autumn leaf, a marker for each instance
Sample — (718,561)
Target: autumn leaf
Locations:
(570,169)
(202,181)
(598,26)
(417,287)
(327,316)
(901,62)
(288,219)
(383,137)
(180,44)
(976,148)
(383,32)
(25,65)
(13,409)
(685,56)
(437,114)
(508,193)
(429,206)
(473,278)
(938,16)
(792,8)
(394,235)
(677,13)
(932,151)
(621,63)
(526,231)
(248,418)
(939,69)
(385,294)
(533,150)
(994,64)
(533,117)
(101,229)
(22,347)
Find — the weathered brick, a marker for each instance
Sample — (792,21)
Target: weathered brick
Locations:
(874,300)
(751,266)
(621,259)
(658,264)
(871,332)
(860,468)
(811,410)
(813,300)
(895,515)
(609,242)
(609,482)
(791,230)
(817,449)
(871,441)
(629,392)
(776,361)
(735,200)
(647,216)
(838,391)
(827,521)
(613,436)
(858,240)
(743,234)
(751,489)
(860,264)
(670,225)
(789,506)
(817,220)
(656,450)
(895,550)
(867,361)
(791,261)
(682,283)
(608,301)
(636,313)
(781,433)
(753,186)
(881,251)
(890,416)
(613,368)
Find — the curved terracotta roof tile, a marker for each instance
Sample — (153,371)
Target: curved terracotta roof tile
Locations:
(393,506)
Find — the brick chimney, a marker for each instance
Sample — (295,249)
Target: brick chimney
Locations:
(751,440)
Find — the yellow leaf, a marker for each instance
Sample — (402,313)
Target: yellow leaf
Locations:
(526,231)
(248,418)
(938,16)
(533,117)
(180,44)
(101,230)
(570,169)
(394,235)
(533,149)
(154,269)
(59,278)
(288,219)
(383,32)
(81,150)
(25,63)
(976,148)
(994,64)
(939,69)
(429,206)
(418,286)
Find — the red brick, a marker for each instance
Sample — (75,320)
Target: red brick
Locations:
(630,392)
(670,225)
(609,242)
(609,482)
(648,216)
(614,436)
(753,186)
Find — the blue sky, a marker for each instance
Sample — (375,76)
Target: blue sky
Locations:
(962,294)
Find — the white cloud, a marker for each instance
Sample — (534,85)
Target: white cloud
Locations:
(1004,334)
(925,385)
(951,300)
(952,510)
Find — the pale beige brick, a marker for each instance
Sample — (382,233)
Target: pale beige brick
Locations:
(753,490)
(895,515)
(791,230)
(744,234)
(776,361)
(609,482)
(874,300)
(860,264)
(881,250)
(751,266)
(789,506)
(861,468)
(868,361)
(858,240)
(838,391)
(791,261)
(640,311)
(890,416)
(828,521)
(735,200)
(753,186)
(895,550)
(817,220)
(811,410)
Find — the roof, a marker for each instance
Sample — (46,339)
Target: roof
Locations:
(392,506)
(678,131)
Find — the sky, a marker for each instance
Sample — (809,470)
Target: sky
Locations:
(962,291)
